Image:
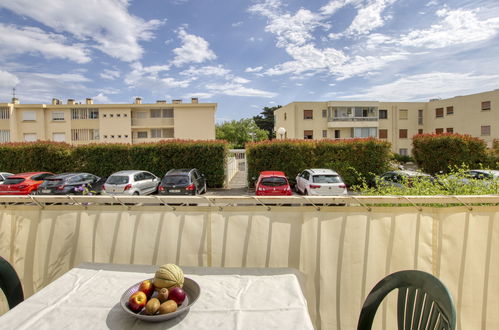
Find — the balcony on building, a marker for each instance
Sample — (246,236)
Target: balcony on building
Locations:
(351,116)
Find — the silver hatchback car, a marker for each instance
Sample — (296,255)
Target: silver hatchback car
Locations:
(131,182)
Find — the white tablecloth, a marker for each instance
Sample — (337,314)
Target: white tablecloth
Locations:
(87,297)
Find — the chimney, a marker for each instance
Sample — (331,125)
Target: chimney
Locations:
(161,101)
(15,100)
(71,101)
(89,101)
(194,100)
(55,101)
(138,100)
(177,101)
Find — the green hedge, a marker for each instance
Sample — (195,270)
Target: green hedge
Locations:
(436,153)
(353,159)
(105,159)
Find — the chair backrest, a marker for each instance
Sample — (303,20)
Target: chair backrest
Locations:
(10,283)
(423,302)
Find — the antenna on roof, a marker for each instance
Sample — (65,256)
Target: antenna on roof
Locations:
(14,93)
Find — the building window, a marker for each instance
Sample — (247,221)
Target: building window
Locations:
(155,113)
(403,152)
(4,113)
(383,114)
(364,132)
(140,114)
(403,114)
(337,133)
(126,136)
(420,117)
(308,135)
(450,130)
(29,116)
(105,136)
(324,113)
(402,133)
(167,113)
(84,134)
(111,115)
(30,137)
(104,115)
(59,137)
(85,113)
(125,115)
(142,135)
(155,133)
(450,110)
(486,105)
(383,133)
(308,114)
(420,131)
(324,133)
(439,130)
(439,112)
(118,115)
(485,130)
(57,116)
(4,135)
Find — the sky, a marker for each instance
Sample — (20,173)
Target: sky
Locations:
(247,55)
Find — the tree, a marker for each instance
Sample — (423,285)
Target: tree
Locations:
(238,132)
(265,120)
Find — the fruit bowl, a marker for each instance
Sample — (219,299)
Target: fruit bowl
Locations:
(190,287)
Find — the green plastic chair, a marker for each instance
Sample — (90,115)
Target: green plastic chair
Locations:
(10,283)
(423,302)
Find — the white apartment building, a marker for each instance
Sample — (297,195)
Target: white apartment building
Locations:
(396,122)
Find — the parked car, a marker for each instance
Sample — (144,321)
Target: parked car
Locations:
(183,182)
(272,183)
(131,182)
(23,183)
(400,177)
(71,184)
(483,174)
(4,175)
(320,182)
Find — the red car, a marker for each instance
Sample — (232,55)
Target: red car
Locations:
(23,183)
(273,183)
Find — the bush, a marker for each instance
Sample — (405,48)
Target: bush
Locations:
(105,159)
(35,156)
(437,153)
(403,158)
(353,159)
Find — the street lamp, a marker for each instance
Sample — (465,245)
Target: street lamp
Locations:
(281,131)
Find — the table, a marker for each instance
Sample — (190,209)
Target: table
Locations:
(87,297)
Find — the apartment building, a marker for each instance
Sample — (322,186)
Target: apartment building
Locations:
(78,123)
(396,122)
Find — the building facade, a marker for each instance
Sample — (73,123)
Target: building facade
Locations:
(396,122)
(77,123)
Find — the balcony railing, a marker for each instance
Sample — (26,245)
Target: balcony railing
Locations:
(353,119)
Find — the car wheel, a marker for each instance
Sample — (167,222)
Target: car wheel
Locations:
(136,193)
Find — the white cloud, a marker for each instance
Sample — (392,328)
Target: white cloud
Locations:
(422,87)
(198,95)
(107,23)
(369,17)
(140,73)
(62,77)
(194,49)
(8,80)
(101,98)
(110,74)
(255,69)
(218,70)
(236,24)
(172,83)
(234,89)
(16,40)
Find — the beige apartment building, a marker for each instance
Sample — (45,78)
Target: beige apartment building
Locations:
(396,122)
(77,123)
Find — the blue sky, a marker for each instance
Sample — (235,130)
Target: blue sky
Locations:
(245,55)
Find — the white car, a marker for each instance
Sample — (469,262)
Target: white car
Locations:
(131,183)
(320,182)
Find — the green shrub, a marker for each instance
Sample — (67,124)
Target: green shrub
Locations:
(352,159)
(402,158)
(105,159)
(436,153)
(35,156)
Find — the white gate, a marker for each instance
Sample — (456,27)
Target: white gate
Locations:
(236,164)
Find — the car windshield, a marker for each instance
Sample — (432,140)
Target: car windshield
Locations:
(117,179)
(274,181)
(176,179)
(326,178)
(13,180)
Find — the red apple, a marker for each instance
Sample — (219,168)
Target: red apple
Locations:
(137,301)
(147,287)
(177,294)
